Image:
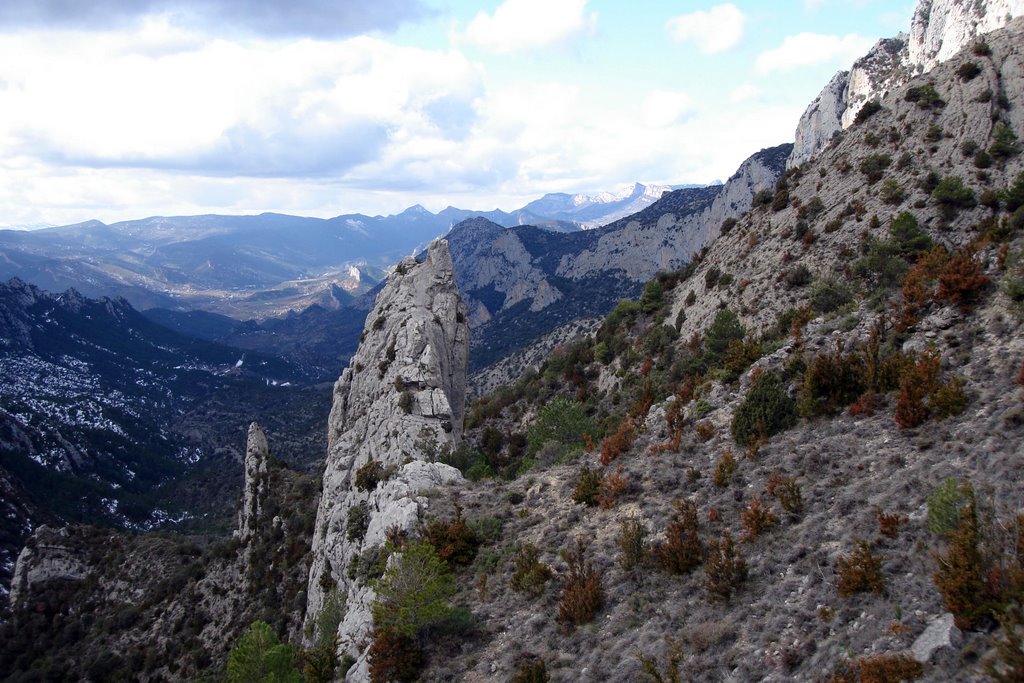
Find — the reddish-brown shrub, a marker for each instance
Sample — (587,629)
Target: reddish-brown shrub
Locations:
(1020,375)
(961,280)
(724,568)
(618,443)
(866,405)
(961,575)
(918,379)
(889,523)
(531,670)
(756,518)
(612,487)
(725,468)
(582,596)
(860,572)
(889,668)
(682,550)
(705,430)
(787,491)
(393,657)
(454,541)
(530,574)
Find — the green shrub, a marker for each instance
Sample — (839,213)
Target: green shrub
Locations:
(952,195)
(632,543)
(414,591)
(981,48)
(907,237)
(1013,196)
(829,295)
(588,486)
(766,410)
(934,133)
(259,657)
(724,328)
(968,71)
(1004,142)
(561,420)
(870,108)
(799,276)
(653,297)
(370,475)
(873,166)
(891,192)
(530,573)
(925,96)
(944,505)
(727,225)
(358,521)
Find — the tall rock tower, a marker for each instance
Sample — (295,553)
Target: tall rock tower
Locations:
(397,405)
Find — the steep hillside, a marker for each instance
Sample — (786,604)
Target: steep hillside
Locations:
(830,396)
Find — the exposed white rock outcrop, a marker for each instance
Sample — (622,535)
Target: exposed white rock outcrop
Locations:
(46,557)
(939,29)
(254,491)
(401,399)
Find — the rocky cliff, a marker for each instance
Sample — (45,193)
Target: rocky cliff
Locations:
(254,492)
(521,283)
(939,29)
(396,407)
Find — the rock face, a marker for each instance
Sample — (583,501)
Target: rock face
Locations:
(941,633)
(398,404)
(939,29)
(254,493)
(47,557)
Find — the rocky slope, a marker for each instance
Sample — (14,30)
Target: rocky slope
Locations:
(939,30)
(398,404)
(836,511)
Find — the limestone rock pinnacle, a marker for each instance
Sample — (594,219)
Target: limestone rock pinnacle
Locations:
(398,404)
(254,492)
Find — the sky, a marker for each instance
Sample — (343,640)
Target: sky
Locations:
(121,109)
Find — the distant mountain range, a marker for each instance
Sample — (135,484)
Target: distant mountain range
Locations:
(590,211)
(265,265)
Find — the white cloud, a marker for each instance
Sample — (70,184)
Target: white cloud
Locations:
(811,49)
(745,92)
(714,30)
(305,108)
(665,107)
(519,25)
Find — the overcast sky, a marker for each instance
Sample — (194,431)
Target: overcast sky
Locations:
(118,109)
